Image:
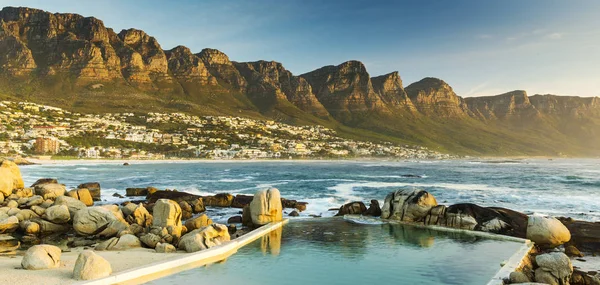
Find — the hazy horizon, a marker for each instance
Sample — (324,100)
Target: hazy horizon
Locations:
(479,48)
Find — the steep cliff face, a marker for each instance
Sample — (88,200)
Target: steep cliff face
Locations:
(143,55)
(222,69)
(187,67)
(56,43)
(567,106)
(390,89)
(269,81)
(508,105)
(435,98)
(345,90)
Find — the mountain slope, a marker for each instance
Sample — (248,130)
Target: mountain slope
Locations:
(77,63)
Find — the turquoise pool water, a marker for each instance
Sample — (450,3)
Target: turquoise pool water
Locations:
(334,251)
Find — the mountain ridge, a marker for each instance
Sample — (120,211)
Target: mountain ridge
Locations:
(77,63)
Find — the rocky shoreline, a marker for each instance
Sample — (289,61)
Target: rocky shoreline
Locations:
(45,219)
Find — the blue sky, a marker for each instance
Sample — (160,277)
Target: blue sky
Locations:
(478,47)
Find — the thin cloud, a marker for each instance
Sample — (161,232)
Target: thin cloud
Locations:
(554,36)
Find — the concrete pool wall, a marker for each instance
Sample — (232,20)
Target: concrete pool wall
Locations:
(171,266)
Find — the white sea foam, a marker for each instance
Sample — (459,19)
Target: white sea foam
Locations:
(234,180)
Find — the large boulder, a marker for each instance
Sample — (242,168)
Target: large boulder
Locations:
(132,192)
(198,222)
(71,203)
(165,248)
(374,209)
(50,190)
(47,227)
(58,214)
(204,238)
(166,213)
(241,200)
(407,205)
(90,265)
(554,268)
(150,240)
(43,181)
(9,224)
(473,217)
(93,188)
(140,216)
(92,220)
(265,207)
(352,208)
(10,178)
(547,231)
(42,256)
(584,235)
(82,195)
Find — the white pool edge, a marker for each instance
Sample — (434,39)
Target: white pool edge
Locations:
(207,255)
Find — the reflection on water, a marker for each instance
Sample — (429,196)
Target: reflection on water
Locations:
(334,251)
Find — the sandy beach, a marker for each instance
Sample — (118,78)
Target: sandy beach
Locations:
(12,273)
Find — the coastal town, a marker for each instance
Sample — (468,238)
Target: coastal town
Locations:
(29,129)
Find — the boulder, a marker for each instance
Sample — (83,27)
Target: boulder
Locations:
(198,222)
(114,228)
(23,193)
(47,227)
(30,227)
(34,201)
(42,256)
(266,207)
(90,221)
(218,200)
(165,248)
(38,210)
(47,203)
(58,214)
(374,210)
(140,216)
(122,243)
(407,205)
(547,231)
(150,240)
(572,251)
(71,203)
(115,210)
(9,225)
(352,208)
(293,204)
(8,244)
(132,192)
(235,220)
(518,277)
(43,181)
(554,268)
(10,178)
(90,265)
(186,210)
(50,190)
(473,217)
(171,195)
(166,213)
(12,204)
(204,238)
(240,201)
(294,213)
(82,195)
(197,205)
(584,235)
(26,214)
(93,188)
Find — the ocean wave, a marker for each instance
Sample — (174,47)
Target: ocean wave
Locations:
(233,180)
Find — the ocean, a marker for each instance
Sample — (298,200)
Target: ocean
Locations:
(559,187)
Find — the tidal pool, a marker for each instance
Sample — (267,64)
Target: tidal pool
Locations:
(334,251)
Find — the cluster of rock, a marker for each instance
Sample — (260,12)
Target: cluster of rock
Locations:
(549,266)
(163,224)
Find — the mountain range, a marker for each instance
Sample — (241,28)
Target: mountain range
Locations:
(76,63)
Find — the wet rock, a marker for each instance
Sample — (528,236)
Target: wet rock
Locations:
(41,257)
(294,214)
(486,219)
(165,248)
(572,251)
(547,231)
(90,266)
(240,201)
(204,238)
(50,190)
(374,210)
(58,214)
(265,207)
(171,195)
(352,208)
(234,220)
(93,188)
(407,205)
(218,200)
(82,195)
(133,192)
(584,235)
(554,268)
(118,195)
(198,222)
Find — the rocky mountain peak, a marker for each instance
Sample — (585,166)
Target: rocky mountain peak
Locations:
(434,97)
(213,56)
(510,104)
(187,67)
